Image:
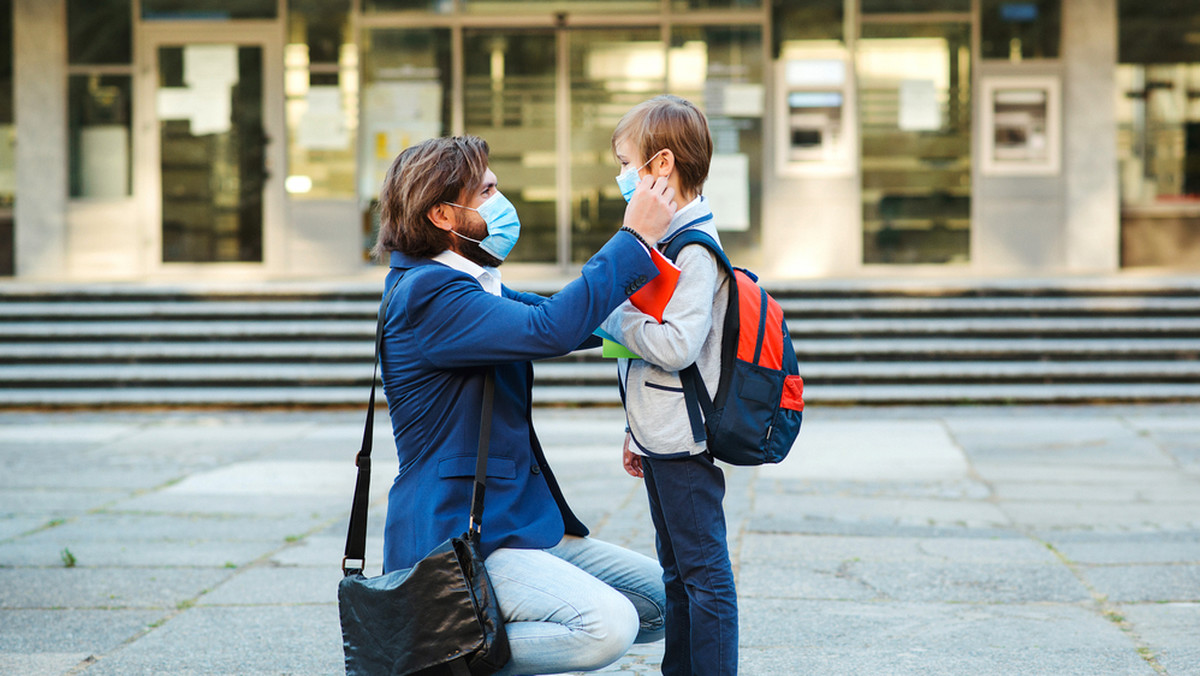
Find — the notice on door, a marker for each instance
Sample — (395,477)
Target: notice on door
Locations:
(919,109)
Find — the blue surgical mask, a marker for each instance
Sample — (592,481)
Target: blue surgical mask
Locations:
(503,225)
(627,181)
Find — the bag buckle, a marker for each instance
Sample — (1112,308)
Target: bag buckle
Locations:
(348,570)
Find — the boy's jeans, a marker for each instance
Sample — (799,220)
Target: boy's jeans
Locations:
(577,606)
(689,522)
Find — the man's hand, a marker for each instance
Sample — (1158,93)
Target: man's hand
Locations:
(650,209)
(631,460)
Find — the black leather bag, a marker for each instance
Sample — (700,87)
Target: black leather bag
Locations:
(441,615)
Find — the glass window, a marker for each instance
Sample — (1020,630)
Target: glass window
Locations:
(1025,29)
(915,105)
(321,83)
(99,123)
(510,7)
(405,100)
(99,98)
(903,6)
(440,6)
(684,5)
(100,32)
(216,10)
(509,100)
(213,156)
(611,71)
(1158,135)
(809,20)
(8,164)
(721,70)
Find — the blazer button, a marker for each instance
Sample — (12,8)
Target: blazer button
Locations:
(535,469)
(641,279)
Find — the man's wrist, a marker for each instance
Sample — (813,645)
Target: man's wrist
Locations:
(638,235)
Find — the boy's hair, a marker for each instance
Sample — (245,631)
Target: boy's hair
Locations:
(421,177)
(669,122)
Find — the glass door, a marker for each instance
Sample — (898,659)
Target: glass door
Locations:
(209,152)
(914,83)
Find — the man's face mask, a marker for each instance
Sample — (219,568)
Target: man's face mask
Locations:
(503,225)
(627,181)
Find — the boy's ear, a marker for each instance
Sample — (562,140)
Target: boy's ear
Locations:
(664,164)
(441,215)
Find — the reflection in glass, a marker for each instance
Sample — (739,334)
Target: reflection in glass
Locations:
(809,20)
(905,6)
(98,116)
(684,5)
(720,69)
(1158,146)
(321,84)
(915,103)
(440,6)
(1023,29)
(611,71)
(405,97)
(111,20)
(212,145)
(510,7)
(210,10)
(8,175)
(508,99)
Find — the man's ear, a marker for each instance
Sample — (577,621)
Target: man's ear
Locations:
(664,164)
(441,215)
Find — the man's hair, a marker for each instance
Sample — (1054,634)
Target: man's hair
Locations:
(669,122)
(423,176)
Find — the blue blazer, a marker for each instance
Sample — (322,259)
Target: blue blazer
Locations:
(442,332)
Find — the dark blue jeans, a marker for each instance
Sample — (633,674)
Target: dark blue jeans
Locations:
(689,521)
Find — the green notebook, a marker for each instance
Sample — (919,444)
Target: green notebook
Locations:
(614,350)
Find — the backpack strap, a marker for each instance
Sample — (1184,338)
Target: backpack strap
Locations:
(699,404)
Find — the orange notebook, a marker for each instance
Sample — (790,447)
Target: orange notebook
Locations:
(652,298)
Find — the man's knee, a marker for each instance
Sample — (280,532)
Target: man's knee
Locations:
(615,630)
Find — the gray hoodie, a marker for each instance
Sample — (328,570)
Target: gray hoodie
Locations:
(689,333)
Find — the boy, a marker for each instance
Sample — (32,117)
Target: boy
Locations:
(668,137)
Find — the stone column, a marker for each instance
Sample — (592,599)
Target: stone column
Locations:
(40,94)
(1092,209)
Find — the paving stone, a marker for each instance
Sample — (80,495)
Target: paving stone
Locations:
(1103,516)
(54,503)
(104,587)
(1170,630)
(834,637)
(1157,547)
(76,632)
(276,585)
(761,547)
(886,510)
(248,641)
(1154,583)
(47,552)
(895,450)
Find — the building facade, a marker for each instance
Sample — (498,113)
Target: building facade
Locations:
(247,139)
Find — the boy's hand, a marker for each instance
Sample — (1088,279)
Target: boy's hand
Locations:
(650,209)
(631,460)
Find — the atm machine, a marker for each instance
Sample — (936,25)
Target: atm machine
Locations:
(814,103)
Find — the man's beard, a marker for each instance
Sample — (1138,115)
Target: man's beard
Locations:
(467,225)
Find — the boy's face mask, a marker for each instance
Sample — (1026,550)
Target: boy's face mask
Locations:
(627,180)
(503,225)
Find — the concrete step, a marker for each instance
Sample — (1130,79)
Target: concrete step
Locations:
(864,341)
(153,397)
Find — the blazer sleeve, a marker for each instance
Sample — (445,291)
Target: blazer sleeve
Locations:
(455,323)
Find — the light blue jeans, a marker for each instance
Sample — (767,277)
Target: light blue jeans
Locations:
(577,606)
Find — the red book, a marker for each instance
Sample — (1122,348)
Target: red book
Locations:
(652,298)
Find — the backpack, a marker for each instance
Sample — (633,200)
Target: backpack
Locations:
(756,413)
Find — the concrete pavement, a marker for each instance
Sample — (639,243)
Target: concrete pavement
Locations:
(965,540)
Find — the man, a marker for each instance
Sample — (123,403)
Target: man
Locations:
(569,602)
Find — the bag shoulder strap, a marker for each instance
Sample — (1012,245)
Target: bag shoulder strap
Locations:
(354,559)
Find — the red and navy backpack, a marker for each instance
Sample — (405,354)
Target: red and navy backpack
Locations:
(756,413)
